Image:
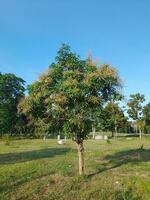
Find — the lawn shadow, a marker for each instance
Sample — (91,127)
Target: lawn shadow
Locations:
(18,157)
(118,159)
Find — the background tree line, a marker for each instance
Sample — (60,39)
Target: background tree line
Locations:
(35,114)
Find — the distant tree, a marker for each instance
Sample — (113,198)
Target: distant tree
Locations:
(146,117)
(114,118)
(68,95)
(135,109)
(11,91)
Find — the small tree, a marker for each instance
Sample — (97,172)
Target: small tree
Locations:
(69,94)
(114,118)
(146,117)
(135,109)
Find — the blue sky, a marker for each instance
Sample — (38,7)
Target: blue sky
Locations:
(116,32)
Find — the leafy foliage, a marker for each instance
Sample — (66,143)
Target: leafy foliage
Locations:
(68,96)
(114,118)
(135,109)
(11,91)
(135,106)
(146,117)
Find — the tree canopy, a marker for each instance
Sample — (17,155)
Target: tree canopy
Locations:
(135,110)
(135,107)
(69,93)
(114,118)
(11,91)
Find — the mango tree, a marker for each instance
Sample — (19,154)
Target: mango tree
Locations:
(67,96)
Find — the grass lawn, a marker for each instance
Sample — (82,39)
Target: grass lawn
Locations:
(40,170)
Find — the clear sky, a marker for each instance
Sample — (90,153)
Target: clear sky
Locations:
(116,32)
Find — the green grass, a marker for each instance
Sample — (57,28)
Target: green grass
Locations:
(44,170)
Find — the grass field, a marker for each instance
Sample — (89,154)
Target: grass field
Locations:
(44,170)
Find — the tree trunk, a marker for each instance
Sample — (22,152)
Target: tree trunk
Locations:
(81,157)
(140,133)
(93,131)
(136,128)
(116,131)
(112,134)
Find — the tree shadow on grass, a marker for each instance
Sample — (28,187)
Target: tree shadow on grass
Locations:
(134,156)
(18,157)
